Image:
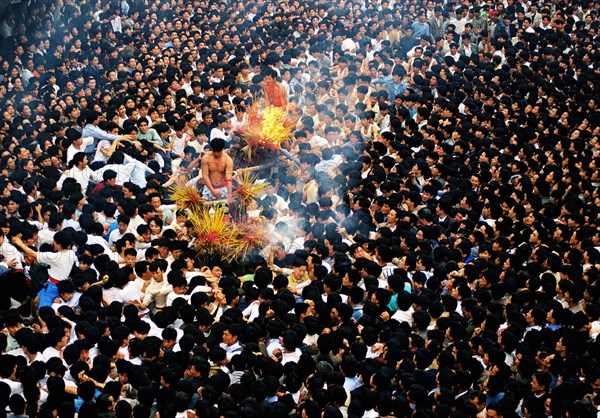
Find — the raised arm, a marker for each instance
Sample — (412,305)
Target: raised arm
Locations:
(20,244)
(108,151)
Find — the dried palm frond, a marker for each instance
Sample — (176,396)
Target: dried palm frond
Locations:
(186,196)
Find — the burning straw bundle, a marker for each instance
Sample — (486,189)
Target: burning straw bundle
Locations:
(251,235)
(187,196)
(218,236)
(247,188)
(215,236)
(267,130)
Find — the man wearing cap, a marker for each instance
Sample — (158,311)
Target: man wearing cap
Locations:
(496,25)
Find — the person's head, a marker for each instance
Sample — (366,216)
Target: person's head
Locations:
(62,240)
(231,334)
(477,399)
(157,271)
(541,382)
(80,160)
(16,404)
(494,410)
(110,178)
(66,289)
(169,337)
(217,146)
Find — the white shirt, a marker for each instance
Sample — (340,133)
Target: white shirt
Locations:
(179,143)
(251,312)
(72,223)
(288,357)
(45,236)
(232,350)
(123,172)
(110,294)
(348,45)
(100,156)
(60,264)
(404,316)
(318,141)
(81,176)
(94,239)
(131,291)
(11,253)
(71,151)
(19,352)
(219,133)
(172,296)
(157,292)
(115,236)
(15,387)
(50,352)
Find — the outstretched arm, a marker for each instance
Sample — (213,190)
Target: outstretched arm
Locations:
(19,243)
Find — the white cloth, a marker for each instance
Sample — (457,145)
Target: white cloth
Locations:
(11,253)
(45,236)
(71,151)
(179,144)
(130,291)
(94,239)
(50,352)
(60,263)
(99,155)
(82,177)
(291,357)
(123,171)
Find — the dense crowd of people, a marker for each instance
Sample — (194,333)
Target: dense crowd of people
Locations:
(433,221)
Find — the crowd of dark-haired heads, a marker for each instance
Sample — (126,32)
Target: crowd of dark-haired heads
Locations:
(433,220)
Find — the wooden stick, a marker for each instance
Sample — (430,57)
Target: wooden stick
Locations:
(214,202)
(237,174)
(255,168)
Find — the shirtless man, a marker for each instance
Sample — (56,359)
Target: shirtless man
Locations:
(217,169)
(275,94)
